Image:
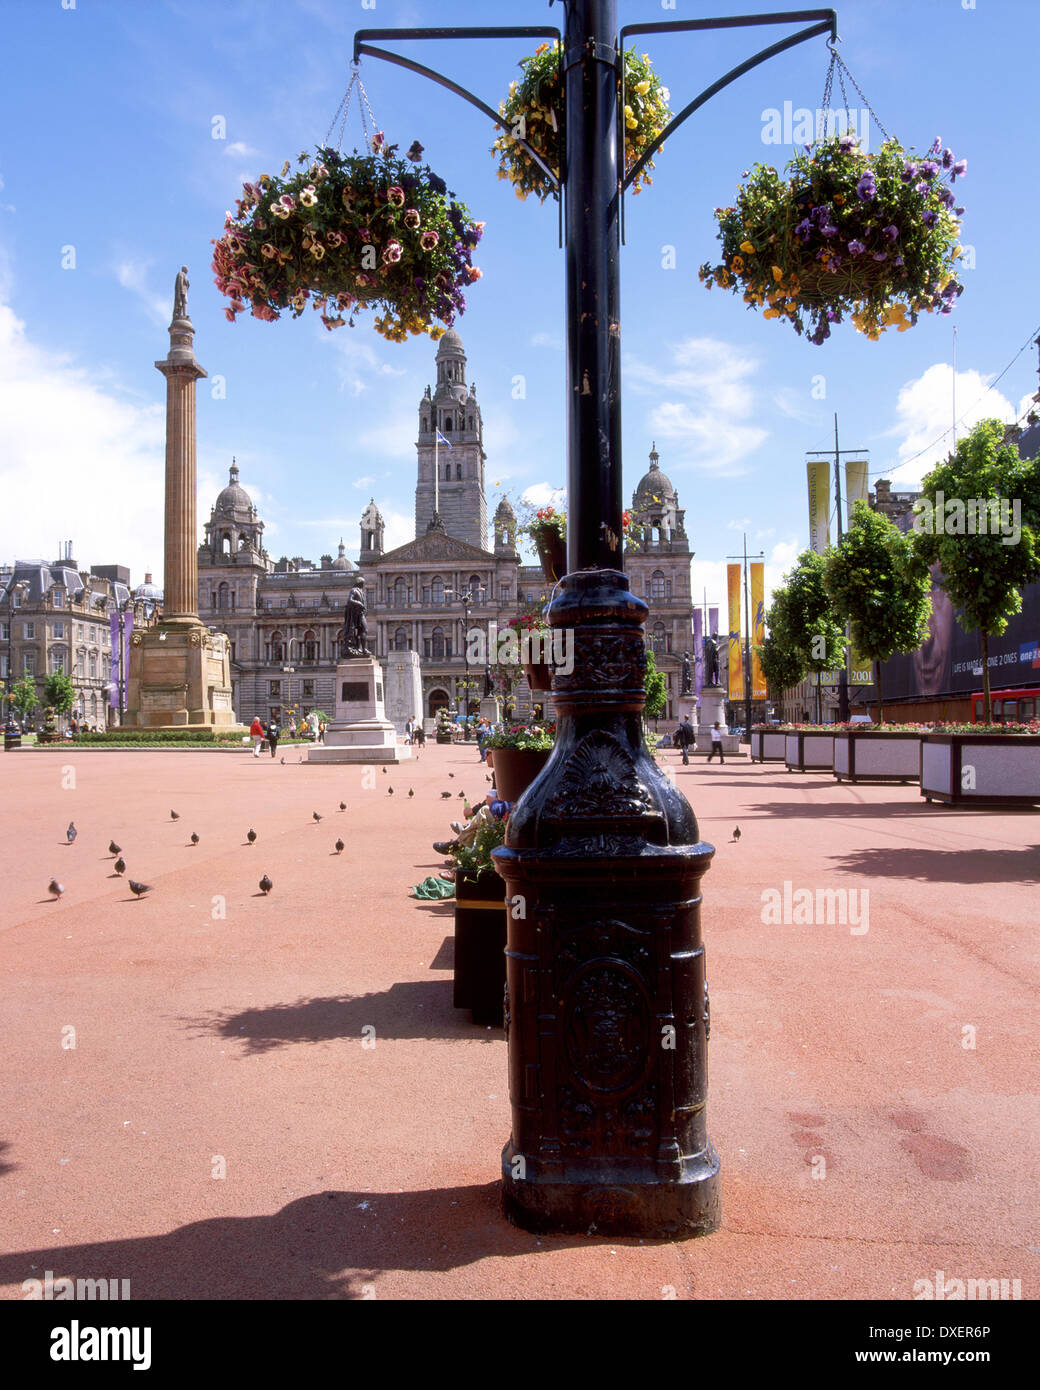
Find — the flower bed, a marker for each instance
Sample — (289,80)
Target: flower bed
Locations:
(981,769)
(871,235)
(348,232)
(808,751)
(877,755)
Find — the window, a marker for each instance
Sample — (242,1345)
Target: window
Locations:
(5,632)
(58,597)
(657,585)
(57,660)
(274,690)
(5,666)
(277,647)
(308,690)
(503,593)
(18,598)
(29,663)
(400,598)
(59,631)
(93,668)
(458,472)
(658,639)
(310,646)
(424,425)
(79,632)
(400,642)
(437,650)
(437,590)
(231,651)
(29,630)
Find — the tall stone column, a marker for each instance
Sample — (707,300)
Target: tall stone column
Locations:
(181,370)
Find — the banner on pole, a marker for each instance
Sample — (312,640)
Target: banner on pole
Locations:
(855,483)
(113,661)
(758,628)
(819,505)
(735,666)
(698,650)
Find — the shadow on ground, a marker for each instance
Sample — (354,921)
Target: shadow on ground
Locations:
(945,866)
(329,1245)
(414,1009)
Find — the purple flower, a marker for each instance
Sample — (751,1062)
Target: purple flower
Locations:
(929,218)
(856,248)
(909,172)
(899,261)
(947,158)
(832,316)
(828,229)
(959,169)
(947,197)
(881,255)
(923,188)
(929,169)
(804,228)
(847,143)
(937,146)
(867,188)
(891,233)
(959,212)
(951,290)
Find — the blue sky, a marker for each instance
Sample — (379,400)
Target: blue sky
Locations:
(106,122)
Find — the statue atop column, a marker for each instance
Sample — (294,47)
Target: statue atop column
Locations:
(489,684)
(711,660)
(180,294)
(355,624)
(687,675)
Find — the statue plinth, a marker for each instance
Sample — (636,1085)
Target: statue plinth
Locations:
(180,677)
(713,710)
(359,731)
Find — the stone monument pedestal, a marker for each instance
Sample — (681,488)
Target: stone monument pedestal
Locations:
(403,689)
(180,677)
(713,709)
(360,731)
(491,709)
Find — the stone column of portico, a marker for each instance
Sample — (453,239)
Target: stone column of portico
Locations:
(181,370)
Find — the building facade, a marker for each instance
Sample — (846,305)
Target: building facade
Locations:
(56,617)
(426,595)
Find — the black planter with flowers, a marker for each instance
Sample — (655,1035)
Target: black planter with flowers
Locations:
(874,236)
(350,232)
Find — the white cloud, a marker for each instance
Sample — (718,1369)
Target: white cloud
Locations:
(76,461)
(712,435)
(360,366)
(364,481)
(924,415)
(547,340)
(543,495)
(133,276)
(239,149)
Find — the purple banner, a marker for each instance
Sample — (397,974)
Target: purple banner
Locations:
(698,650)
(113,662)
(713,621)
(128,627)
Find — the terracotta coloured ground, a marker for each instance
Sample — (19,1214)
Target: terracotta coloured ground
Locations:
(208,1043)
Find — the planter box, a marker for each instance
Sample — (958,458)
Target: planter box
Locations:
(809,752)
(539,676)
(480,945)
(516,768)
(768,746)
(981,769)
(871,756)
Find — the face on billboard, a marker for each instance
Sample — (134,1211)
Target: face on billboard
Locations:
(933,660)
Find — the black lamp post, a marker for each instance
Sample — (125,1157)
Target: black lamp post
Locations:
(606,1003)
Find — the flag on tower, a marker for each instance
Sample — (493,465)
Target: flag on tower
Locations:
(442,440)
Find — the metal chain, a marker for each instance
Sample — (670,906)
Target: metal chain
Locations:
(837,62)
(344,110)
(866,103)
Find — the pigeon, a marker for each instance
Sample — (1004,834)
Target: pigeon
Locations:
(389,790)
(71,833)
(340,846)
(55,888)
(113,848)
(411,792)
(489,779)
(175,815)
(315,815)
(384,771)
(194,838)
(282,761)
(265,885)
(736,834)
(451,774)
(138,888)
(445,796)
(251,836)
(120,866)
(342,805)
(462,795)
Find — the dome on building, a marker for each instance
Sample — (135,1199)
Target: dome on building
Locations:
(233,500)
(654,486)
(148,591)
(450,342)
(370,516)
(505,509)
(341,562)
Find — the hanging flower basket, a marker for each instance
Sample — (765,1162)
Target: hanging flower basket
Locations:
(350,232)
(533,111)
(874,236)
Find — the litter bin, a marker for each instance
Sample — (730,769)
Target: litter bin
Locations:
(12,736)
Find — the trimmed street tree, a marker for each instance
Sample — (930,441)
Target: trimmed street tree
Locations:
(656,687)
(59,692)
(782,664)
(813,629)
(24,697)
(978,519)
(880,587)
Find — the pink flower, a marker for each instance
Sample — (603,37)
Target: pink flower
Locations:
(334,238)
(475,273)
(392,252)
(411,217)
(429,240)
(395,195)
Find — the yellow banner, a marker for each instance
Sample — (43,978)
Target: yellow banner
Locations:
(758,628)
(861,668)
(819,505)
(736,666)
(855,484)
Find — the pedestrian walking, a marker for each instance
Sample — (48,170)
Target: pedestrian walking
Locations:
(321,732)
(256,733)
(716,742)
(273,732)
(684,737)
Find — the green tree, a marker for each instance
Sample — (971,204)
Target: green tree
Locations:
(782,663)
(977,519)
(810,625)
(880,587)
(656,687)
(24,697)
(59,692)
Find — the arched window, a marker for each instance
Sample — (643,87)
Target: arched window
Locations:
(458,472)
(400,593)
(225,544)
(223,597)
(437,590)
(447,472)
(657,589)
(659,639)
(437,644)
(277,646)
(400,640)
(476,588)
(424,424)
(310,645)
(447,424)
(471,422)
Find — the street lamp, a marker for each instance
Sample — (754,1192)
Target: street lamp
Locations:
(466,599)
(606,1001)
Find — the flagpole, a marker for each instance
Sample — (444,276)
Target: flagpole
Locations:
(436,468)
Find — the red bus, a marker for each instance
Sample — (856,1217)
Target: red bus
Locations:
(1009,706)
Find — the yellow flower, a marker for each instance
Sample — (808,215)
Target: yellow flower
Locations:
(641,88)
(737,264)
(630,123)
(747,248)
(771,314)
(778,274)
